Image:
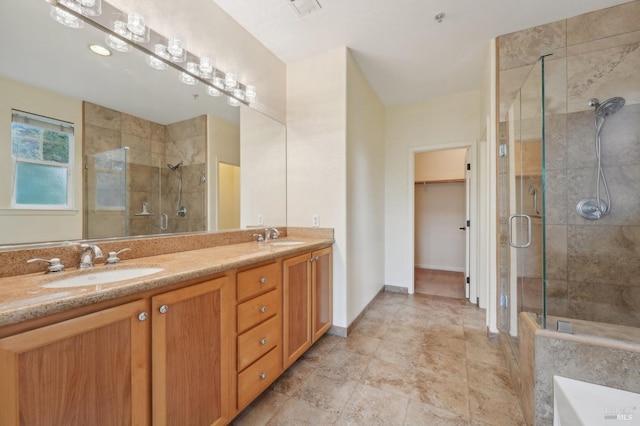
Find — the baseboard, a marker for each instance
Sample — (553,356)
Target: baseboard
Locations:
(440,268)
(396,289)
(337,331)
(355,322)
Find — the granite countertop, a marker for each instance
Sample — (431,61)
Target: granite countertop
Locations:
(23,297)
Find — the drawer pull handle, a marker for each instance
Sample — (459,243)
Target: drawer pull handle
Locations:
(263,309)
(263,376)
(263,341)
(263,280)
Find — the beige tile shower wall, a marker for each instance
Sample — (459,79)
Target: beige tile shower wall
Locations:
(186,142)
(592,266)
(107,129)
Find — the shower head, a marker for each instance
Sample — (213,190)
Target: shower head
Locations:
(608,107)
(175,166)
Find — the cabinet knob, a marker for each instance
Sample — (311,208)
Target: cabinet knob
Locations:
(263,280)
(263,309)
(263,376)
(263,341)
(142,316)
(163,309)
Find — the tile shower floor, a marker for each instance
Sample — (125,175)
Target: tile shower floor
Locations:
(411,360)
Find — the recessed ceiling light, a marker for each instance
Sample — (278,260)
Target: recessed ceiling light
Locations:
(305,7)
(99,50)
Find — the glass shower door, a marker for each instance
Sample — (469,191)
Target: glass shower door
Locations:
(526,219)
(106,194)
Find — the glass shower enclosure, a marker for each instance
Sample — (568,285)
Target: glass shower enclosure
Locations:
(569,210)
(521,191)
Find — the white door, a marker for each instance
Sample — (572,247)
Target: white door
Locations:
(467,260)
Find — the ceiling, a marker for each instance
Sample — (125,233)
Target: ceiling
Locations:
(404,53)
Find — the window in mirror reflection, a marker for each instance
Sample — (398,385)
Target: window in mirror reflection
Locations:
(41,150)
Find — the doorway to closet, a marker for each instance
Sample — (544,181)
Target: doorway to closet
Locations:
(441,237)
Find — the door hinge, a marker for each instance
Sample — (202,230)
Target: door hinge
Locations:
(468,280)
(504,301)
(468,223)
(468,166)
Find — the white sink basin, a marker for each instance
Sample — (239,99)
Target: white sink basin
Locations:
(286,243)
(102,277)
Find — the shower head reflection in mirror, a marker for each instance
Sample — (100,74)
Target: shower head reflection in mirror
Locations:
(596,208)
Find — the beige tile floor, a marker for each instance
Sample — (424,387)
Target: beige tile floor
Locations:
(439,283)
(412,360)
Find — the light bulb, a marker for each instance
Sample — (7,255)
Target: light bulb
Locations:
(230,80)
(192,67)
(233,101)
(160,50)
(218,82)
(206,67)
(175,47)
(212,91)
(250,93)
(65,18)
(139,31)
(119,27)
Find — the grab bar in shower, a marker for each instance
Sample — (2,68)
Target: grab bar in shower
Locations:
(528,240)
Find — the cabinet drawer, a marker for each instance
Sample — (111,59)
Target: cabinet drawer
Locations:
(258,309)
(258,280)
(258,341)
(258,376)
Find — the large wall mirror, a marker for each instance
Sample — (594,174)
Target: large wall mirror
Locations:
(149,154)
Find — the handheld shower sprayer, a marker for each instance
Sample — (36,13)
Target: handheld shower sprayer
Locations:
(595,208)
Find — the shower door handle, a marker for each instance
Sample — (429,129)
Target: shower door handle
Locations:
(528,241)
(164,222)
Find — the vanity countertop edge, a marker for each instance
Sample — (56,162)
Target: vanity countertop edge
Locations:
(23,298)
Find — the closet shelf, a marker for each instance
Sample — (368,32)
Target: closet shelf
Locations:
(425,182)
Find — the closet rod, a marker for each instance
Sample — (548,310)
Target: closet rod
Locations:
(423,182)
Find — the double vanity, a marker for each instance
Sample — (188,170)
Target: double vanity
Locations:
(185,337)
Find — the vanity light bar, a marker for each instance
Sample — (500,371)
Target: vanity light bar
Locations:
(199,73)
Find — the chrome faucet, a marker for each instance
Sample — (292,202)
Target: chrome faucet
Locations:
(89,253)
(268,234)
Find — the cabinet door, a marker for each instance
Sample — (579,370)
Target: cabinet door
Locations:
(90,370)
(297,307)
(191,354)
(321,272)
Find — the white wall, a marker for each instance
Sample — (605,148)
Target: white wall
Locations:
(438,122)
(440,212)
(209,31)
(25,226)
(263,171)
(317,157)
(365,192)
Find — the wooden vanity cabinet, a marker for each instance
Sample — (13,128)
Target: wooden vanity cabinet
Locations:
(259,330)
(307,288)
(190,354)
(322,291)
(195,353)
(163,360)
(90,370)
